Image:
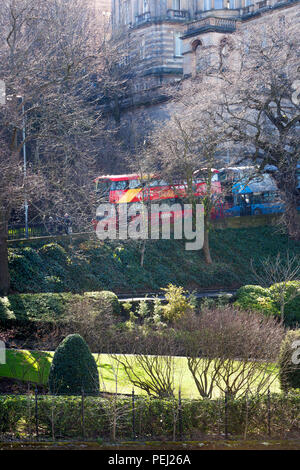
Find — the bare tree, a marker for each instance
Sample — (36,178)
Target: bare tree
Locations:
(53,64)
(185,149)
(151,366)
(231,350)
(261,108)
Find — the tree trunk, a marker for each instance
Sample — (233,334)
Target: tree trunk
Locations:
(206,248)
(287,184)
(291,220)
(4,271)
(143,249)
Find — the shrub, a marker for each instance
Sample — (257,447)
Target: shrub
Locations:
(178,304)
(55,307)
(289,374)
(291,299)
(268,300)
(73,368)
(106,301)
(55,251)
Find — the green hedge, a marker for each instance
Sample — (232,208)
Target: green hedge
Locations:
(22,308)
(266,300)
(61,417)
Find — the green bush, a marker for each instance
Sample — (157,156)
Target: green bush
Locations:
(105,300)
(177,303)
(291,300)
(54,307)
(289,373)
(73,368)
(267,300)
(55,251)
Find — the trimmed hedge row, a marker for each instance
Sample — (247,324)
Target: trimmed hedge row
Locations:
(267,300)
(22,308)
(61,417)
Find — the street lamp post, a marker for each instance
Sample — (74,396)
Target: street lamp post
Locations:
(24,158)
(24,164)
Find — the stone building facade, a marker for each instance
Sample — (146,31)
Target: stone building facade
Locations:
(170,38)
(166,34)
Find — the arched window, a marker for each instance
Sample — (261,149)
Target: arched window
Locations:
(196,44)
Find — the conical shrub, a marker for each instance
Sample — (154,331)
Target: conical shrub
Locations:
(73,368)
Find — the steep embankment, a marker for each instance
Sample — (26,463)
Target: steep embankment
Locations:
(89,265)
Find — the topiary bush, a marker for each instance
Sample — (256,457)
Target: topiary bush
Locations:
(73,368)
(289,370)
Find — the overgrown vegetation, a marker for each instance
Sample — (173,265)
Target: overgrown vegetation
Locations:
(88,265)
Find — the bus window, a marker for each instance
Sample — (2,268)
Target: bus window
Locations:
(229,199)
(244,199)
(119,185)
(102,187)
(153,183)
(133,184)
(257,198)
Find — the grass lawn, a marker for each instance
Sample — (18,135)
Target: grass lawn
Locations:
(34,366)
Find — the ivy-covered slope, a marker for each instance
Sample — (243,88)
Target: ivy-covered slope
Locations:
(91,265)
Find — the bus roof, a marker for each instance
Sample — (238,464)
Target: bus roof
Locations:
(133,176)
(136,176)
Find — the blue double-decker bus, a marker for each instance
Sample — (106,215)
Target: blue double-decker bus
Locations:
(245,193)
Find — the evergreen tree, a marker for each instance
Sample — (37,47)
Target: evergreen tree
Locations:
(73,368)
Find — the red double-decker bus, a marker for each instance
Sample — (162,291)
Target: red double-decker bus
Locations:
(132,189)
(118,189)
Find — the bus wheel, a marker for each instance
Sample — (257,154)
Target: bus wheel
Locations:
(257,212)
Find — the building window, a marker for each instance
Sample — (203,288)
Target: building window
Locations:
(125,12)
(176,5)
(207,5)
(145,6)
(218,4)
(177,45)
